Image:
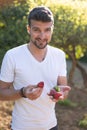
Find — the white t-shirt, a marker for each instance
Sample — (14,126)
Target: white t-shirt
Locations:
(21,68)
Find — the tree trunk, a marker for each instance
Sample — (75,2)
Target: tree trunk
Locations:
(72,70)
(71,73)
(84,74)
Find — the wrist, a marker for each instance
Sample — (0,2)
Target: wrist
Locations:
(22,93)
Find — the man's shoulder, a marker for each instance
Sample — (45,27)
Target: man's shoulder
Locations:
(55,50)
(16,49)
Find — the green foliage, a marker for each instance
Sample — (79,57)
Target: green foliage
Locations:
(70,28)
(13,21)
(84,58)
(83,122)
(67,102)
(34,3)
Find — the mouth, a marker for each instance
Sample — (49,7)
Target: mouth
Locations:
(40,40)
(39,43)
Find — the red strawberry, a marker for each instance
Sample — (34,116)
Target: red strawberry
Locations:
(55,94)
(40,84)
(52,92)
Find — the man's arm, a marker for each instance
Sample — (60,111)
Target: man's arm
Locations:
(62,80)
(7,91)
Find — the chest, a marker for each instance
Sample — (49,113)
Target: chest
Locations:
(32,72)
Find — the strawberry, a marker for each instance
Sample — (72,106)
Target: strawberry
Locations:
(40,84)
(55,94)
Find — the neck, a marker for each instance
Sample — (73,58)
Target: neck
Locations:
(38,54)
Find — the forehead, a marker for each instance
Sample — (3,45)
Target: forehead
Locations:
(40,24)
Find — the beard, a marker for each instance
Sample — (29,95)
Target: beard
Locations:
(39,44)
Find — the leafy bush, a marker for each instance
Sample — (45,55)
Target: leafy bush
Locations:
(83,122)
(13,21)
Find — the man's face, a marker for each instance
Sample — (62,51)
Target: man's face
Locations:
(40,33)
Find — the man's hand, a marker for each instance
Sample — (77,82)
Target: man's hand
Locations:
(33,91)
(61,95)
(65,91)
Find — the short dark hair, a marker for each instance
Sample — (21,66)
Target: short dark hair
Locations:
(40,13)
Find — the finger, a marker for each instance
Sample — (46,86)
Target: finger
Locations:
(51,97)
(54,100)
(61,98)
(36,93)
(66,88)
(32,87)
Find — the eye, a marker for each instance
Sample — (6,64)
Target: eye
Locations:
(48,29)
(36,30)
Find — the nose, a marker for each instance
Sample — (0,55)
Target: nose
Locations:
(42,35)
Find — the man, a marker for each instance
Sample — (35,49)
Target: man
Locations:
(25,66)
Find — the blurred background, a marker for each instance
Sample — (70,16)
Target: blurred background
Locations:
(70,35)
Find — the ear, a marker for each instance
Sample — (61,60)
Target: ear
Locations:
(28,29)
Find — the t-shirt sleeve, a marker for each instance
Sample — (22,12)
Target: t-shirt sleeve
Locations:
(7,68)
(63,67)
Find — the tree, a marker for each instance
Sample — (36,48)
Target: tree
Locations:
(70,34)
(13,21)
